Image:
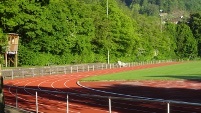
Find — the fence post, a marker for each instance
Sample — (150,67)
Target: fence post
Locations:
(110,107)
(2,102)
(36,102)
(71,69)
(67,105)
(77,69)
(168,107)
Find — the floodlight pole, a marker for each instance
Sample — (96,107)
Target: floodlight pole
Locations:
(108,52)
(107,8)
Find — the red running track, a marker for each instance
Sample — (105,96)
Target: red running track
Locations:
(56,102)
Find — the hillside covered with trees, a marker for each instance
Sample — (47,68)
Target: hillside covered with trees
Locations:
(81,31)
(151,7)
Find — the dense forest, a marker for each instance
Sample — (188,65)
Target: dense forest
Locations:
(83,31)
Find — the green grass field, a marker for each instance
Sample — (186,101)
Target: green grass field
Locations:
(185,71)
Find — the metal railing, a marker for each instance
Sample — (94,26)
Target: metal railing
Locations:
(50,70)
(109,98)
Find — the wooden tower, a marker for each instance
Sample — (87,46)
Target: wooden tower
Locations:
(11,51)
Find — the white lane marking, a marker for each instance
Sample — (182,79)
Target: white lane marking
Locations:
(119,94)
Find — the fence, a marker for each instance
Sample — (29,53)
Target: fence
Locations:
(49,70)
(167,103)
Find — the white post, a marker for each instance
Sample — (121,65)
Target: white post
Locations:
(64,69)
(77,68)
(108,52)
(168,107)
(36,102)
(71,69)
(88,67)
(67,105)
(108,56)
(93,67)
(110,107)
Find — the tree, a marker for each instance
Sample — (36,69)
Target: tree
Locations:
(101,23)
(192,5)
(195,25)
(66,31)
(3,44)
(135,8)
(155,45)
(171,33)
(83,31)
(186,43)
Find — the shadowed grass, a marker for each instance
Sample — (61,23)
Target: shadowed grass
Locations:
(187,71)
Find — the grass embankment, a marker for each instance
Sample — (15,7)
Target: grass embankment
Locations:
(185,71)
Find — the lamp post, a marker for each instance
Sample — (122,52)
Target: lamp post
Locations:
(161,19)
(107,8)
(108,52)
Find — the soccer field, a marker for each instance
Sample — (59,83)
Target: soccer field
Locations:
(185,70)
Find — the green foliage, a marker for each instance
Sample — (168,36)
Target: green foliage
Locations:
(171,34)
(3,44)
(152,7)
(195,25)
(80,31)
(186,43)
(153,44)
(192,5)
